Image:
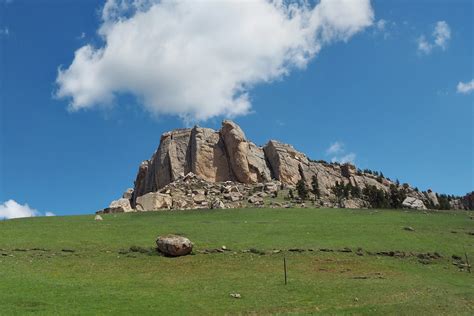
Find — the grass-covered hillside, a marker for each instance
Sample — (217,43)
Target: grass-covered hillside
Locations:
(342,261)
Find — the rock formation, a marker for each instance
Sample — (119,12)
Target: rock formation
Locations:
(203,168)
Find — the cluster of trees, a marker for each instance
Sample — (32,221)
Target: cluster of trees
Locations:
(303,191)
(342,190)
(377,198)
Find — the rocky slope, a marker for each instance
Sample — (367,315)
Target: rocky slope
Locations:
(203,168)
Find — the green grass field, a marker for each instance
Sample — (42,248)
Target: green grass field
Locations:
(95,276)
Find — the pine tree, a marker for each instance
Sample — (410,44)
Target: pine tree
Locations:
(315,187)
(302,189)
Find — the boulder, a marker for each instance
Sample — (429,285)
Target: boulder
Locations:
(353,203)
(413,203)
(199,198)
(431,196)
(98,218)
(174,245)
(120,206)
(217,204)
(255,200)
(271,187)
(233,196)
(154,201)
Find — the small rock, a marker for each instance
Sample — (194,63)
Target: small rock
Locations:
(235,295)
(409,228)
(98,218)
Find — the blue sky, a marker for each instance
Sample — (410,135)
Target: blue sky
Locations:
(390,104)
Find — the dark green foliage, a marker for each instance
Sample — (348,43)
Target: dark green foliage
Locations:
(376,198)
(397,195)
(356,192)
(302,189)
(290,194)
(443,202)
(338,190)
(315,187)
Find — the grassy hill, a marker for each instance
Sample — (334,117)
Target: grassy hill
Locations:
(75,265)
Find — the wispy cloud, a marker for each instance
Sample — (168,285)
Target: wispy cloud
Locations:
(4,32)
(338,152)
(465,87)
(439,38)
(335,148)
(12,209)
(349,158)
(384,27)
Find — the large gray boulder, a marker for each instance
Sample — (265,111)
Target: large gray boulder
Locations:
(174,245)
(154,201)
(431,196)
(120,206)
(413,203)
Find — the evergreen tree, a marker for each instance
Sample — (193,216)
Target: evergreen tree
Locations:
(315,187)
(290,194)
(355,192)
(302,189)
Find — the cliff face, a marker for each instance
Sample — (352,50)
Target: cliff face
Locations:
(227,155)
(203,168)
(214,156)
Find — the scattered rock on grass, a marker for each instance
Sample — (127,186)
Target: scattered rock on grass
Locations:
(235,295)
(409,228)
(98,218)
(174,246)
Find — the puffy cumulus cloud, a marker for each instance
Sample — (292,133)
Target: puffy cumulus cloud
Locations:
(338,152)
(440,37)
(12,209)
(199,59)
(465,87)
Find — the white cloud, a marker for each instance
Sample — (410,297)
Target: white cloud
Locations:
(200,59)
(440,38)
(465,87)
(12,209)
(348,158)
(381,25)
(335,148)
(442,34)
(338,151)
(49,214)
